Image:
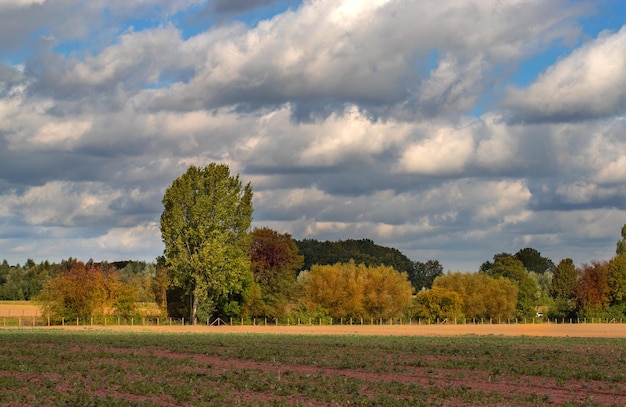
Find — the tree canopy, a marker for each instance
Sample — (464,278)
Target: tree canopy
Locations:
(205,222)
(275,259)
(481,296)
(87,290)
(348,290)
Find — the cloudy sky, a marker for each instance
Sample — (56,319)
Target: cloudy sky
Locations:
(448,129)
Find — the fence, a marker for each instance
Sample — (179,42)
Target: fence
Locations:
(34,321)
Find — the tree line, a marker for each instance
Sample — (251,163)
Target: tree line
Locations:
(215,265)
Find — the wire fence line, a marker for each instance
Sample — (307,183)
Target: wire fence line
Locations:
(112,320)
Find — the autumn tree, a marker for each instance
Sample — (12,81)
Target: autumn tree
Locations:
(274,260)
(482,296)
(205,223)
(593,291)
(512,269)
(86,290)
(438,303)
(348,290)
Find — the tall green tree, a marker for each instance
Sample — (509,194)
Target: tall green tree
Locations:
(205,222)
(563,289)
(564,280)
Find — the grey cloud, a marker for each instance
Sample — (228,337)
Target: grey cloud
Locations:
(9,77)
(239,6)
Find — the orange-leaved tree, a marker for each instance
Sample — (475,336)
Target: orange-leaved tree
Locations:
(84,291)
(274,260)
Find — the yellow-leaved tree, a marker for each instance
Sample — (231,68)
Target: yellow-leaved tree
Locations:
(348,290)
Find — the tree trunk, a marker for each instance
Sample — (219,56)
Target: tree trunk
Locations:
(194,308)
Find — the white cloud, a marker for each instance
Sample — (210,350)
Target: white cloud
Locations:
(589,83)
(446,151)
(59,135)
(351,134)
(498,148)
(63,204)
(130,240)
(313,53)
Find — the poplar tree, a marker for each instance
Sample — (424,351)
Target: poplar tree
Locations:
(205,223)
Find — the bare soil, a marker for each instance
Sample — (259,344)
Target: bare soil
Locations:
(544,329)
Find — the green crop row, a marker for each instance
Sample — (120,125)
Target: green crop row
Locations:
(106,368)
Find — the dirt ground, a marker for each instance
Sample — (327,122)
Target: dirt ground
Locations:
(19,310)
(597,330)
(545,329)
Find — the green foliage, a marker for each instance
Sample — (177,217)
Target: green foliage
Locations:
(204,225)
(424,274)
(562,309)
(486,266)
(542,282)
(533,261)
(356,291)
(482,296)
(25,282)
(564,281)
(617,279)
(363,251)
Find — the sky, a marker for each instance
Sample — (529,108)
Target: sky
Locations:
(447,129)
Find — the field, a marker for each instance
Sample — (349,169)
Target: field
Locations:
(308,366)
